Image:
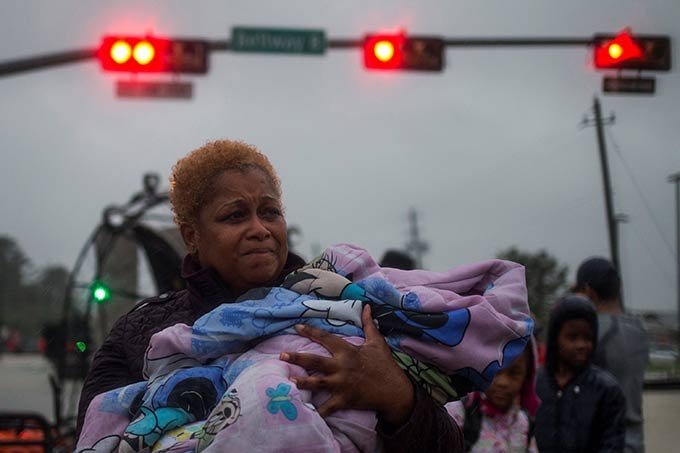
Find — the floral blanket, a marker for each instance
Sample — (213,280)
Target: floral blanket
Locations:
(219,385)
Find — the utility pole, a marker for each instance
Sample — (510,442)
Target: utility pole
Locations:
(675,178)
(612,219)
(599,122)
(415,246)
(609,202)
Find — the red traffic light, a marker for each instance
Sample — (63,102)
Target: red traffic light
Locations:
(383,51)
(616,51)
(401,52)
(150,54)
(120,52)
(625,51)
(133,54)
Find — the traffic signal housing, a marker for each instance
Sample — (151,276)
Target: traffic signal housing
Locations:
(398,51)
(152,54)
(626,51)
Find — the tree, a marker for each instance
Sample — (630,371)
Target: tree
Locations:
(546,278)
(44,297)
(13,264)
(26,303)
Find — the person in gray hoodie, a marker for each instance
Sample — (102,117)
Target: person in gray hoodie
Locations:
(623,344)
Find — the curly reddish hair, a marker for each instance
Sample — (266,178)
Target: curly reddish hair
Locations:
(193,176)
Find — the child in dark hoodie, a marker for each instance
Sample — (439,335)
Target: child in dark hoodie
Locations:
(582,407)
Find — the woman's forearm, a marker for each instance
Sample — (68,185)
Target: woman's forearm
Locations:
(429,428)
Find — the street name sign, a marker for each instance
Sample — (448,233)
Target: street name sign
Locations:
(143,89)
(636,85)
(278,40)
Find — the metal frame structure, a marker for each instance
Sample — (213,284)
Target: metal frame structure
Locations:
(117,221)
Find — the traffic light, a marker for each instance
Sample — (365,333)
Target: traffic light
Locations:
(151,54)
(398,51)
(100,292)
(625,51)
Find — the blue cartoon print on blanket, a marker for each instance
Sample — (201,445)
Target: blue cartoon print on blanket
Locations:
(281,400)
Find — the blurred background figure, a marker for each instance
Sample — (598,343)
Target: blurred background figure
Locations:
(582,406)
(623,345)
(398,260)
(502,417)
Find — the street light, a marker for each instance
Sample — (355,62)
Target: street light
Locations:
(675,178)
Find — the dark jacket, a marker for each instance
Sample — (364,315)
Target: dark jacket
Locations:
(120,359)
(587,414)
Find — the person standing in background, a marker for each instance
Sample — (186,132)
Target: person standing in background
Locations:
(398,260)
(623,345)
(582,406)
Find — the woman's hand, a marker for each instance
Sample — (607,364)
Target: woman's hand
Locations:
(357,377)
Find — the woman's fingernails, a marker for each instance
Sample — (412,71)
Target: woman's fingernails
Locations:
(284,356)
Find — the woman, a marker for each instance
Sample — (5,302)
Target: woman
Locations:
(227,203)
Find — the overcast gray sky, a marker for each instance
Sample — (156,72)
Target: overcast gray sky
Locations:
(490,151)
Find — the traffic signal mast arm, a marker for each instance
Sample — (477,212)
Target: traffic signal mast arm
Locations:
(74,56)
(45,61)
(451,42)
(225,45)
(59,58)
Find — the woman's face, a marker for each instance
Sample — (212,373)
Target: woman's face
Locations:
(240,231)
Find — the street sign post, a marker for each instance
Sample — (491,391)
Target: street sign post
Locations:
(278,40)
(636,85)
(142,89)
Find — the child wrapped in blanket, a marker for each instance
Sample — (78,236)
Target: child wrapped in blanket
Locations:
(220,385)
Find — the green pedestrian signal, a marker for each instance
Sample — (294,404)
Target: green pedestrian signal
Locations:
(100,292)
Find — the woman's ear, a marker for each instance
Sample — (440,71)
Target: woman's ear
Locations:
(190,237)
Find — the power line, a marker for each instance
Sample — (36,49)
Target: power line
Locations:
(550,145)
(652,255)
(641,195)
